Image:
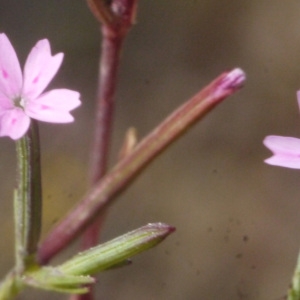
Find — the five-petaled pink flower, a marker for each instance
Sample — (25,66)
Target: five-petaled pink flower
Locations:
(21,95)
(286,150)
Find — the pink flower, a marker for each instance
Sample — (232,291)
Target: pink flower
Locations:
(286,151)
(21,96)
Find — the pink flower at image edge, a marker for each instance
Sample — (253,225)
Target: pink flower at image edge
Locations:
(286,151)
(21,93)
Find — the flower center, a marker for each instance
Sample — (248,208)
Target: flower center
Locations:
(19,102)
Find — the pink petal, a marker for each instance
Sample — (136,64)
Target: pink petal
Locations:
(281,161)
(286,151)
(53,106)
(5,104)
(283,144)
(10,71)
(40,68)
(14,123)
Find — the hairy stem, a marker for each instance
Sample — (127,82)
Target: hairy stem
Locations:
(28,199)
(27,211)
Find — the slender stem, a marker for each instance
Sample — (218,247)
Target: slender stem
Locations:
(28,199)
(116,17)
(115,25)
(108,69)
(27,211)
(130,166)
(19,243)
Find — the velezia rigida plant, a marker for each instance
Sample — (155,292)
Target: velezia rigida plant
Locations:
(24,100)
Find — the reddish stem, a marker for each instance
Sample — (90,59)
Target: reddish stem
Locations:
(116,19)
(102,194)
(108,69)
(101,12)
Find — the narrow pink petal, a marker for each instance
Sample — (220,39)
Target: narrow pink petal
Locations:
(53,106)
(286,151)
(40,68)
(14,123)
(10,71)
(284,161)
(283,145)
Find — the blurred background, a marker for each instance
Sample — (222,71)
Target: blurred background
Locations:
(237,219)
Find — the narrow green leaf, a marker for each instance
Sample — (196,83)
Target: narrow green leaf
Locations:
(116,251)
(53,279)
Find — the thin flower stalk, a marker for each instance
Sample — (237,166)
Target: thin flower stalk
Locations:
(102,194)
(27,214)
(28,199)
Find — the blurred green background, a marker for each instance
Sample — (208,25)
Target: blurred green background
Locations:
(237,219)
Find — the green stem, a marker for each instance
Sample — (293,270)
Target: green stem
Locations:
(294,291)
(27,211)
(10,286)
(28,198)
